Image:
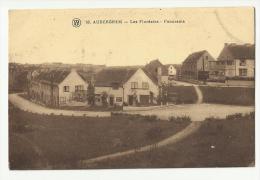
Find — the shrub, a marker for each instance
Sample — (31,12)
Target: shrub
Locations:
(179,119)
(228,95)
(234,116)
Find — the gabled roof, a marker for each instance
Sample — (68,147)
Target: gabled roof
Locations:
(110,76)
(241,51)
(86,76)
(194,57)
(57,76)
(153,65)
(53,76)
(176,66)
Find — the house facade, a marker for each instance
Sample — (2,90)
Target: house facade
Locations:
(171,70)
(124,86)
(141,89)
(58,88)
(174,71)
(236,60)
(197,65)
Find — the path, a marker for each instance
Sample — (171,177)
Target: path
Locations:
(29,106)
(197,112)
(196,87)
(199,94)
(170,140)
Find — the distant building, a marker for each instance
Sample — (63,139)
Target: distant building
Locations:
(196,65)
(131,86)
(174,71)
(171,69)
(158,70)
(59,87)
(236,60)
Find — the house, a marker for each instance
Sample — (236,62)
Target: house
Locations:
(158,70)
(174,71)
(171,69)
(196,65)
(59,87)
(129,86)
(236,60)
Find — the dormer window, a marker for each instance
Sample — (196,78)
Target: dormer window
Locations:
(115,85)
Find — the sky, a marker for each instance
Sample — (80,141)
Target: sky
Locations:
(46,36)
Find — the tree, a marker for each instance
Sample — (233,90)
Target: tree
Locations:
(104,98)
(163,94)
(91,94)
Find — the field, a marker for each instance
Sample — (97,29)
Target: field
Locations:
(228,95)
(59,142)
(218,143)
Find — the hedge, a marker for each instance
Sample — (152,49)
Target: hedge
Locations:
(228,95)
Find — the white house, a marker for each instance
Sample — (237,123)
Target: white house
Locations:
(59,87)
(236,60)
(171,70)
(131,86)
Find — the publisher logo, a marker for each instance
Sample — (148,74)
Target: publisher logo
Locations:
(76,22)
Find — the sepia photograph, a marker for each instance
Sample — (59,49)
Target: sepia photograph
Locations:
(131,88)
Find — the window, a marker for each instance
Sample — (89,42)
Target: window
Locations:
(229,62)
(145,85)
(119,99)
(79,88)
(242,63)
(66,89)
(134,85)
(242,72)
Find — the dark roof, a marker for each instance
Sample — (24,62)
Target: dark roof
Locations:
(244,51)
(86,76)
(57,76)
(194,57)
(53,76)
(152,68)
(111,76)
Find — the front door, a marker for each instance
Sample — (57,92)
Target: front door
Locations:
(130,100)
(144,99)
(111,101)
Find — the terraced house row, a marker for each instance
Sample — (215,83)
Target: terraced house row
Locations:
(118,85)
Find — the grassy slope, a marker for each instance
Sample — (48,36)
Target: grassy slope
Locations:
(39,141)
(218,143)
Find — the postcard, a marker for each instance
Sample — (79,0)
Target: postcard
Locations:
(131,88)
